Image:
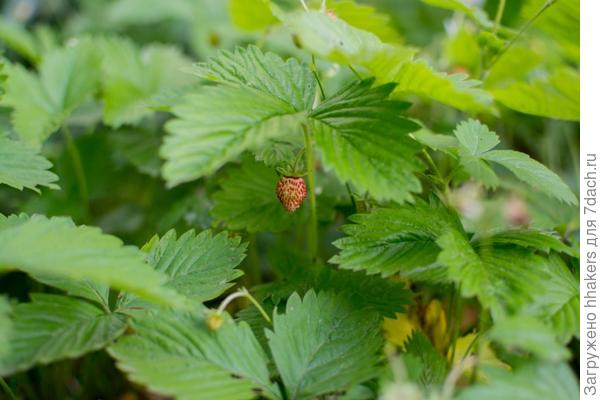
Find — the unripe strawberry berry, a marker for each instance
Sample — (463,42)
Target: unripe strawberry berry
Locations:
(291,192)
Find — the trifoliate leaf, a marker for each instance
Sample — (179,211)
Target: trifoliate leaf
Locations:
(175,355)
(247,201)
(259,93)
(533,173)
(364,140)
(22,167)
(529,334)
(54,327)
(396,240)
(56,247)
(200,266)
(433,364)
(67,78)
(132,77)
(322,344)
(533,381)
(475,137)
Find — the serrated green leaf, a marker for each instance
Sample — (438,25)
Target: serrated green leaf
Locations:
(529,334)
(218,123)
(67,78)
(364,139)
(199,266)
(56,247)
(395,240)
(53,327)
(132,77)
(532,381)
(176,355)
(289,81)
(475,137)
(321,344)
(533,173)
(433,365)
(504,279)
(247,201)
(23,167)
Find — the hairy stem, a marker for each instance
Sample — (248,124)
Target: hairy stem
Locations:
(78,167)
(313,67)
(313,233)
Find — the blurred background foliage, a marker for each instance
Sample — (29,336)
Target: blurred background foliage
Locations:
(126,195)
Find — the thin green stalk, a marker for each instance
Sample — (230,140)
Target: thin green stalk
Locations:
(546,5)
(78,167)
(7,389)
(355,72)
(499,14)
(445,189)
(312,234)
(315,72)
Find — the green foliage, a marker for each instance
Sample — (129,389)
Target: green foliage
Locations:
(41,102)
(22,167)
(533,381)
(38,245)
(321,344)
(175,355)
(364,139)
(246,201)
(476,144)
(132,77)
(5,326)
(201,266)
(218,123)
(528,334)
(53,327)
(424,363)
(396,240)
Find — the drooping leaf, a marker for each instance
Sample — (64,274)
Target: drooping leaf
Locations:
(175,355)
(22,167)
(67,78)
(533,381)
(364,140)
(396,240)
(247,201)
(132,77)
(54,327)
(321,344)
(337,41)
(529,334)
(556,96)
(17,38)
(58,248)
(533,173)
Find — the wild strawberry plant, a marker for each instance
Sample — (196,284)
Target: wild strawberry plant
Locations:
(338,200)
